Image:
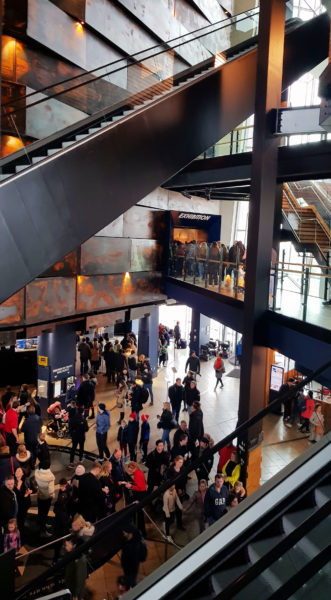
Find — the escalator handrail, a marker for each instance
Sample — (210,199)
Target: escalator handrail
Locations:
(229,21)
(276,552)
(119,517)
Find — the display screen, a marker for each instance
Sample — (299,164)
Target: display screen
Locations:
(42,388)
(57,388)
(276,377)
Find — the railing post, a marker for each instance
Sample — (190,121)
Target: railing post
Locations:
(236,273)
(282,275)
(274,297)
(305,295)
(184,266)
(207,266)
(195,262)
(220,270)
(327,280)
(303,272)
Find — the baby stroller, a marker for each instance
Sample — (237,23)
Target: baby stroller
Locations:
(59,423)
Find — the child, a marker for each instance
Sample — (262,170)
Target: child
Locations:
(144,436)
(122,438)
(171,506)
(12,538)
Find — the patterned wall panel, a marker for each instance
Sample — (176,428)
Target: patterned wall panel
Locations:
(17,300)
(142,222)
(145,255)
(65,267)
(50,298)
(112,291)
(101,255)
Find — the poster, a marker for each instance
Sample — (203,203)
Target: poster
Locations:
(276,377)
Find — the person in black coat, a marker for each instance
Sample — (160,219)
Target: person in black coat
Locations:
(23,493)
(85,393)
(135,397)
(181,448)
(120,361)
(130,558)
(6,397)
(8,501)
(193,362)
(110,360)
(43,451)
(186,383)
(132,435)
(176,396)
(62,511)
(118,472)
(78,427)
(166,423)
(192,395)
(195,428)
(31,429)
(203,470)
(157,461)
(90,495)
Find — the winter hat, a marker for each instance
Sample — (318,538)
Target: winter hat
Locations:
(102,406)
(133,416)
(80,470)
(144,418)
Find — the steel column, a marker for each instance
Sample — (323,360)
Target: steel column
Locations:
(262,208)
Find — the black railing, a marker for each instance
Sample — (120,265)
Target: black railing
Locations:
(113,523)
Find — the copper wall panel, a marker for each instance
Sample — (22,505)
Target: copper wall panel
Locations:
(142,222)
(112,291)
(50,298)
(64,268)
(16,300)
(145,255)
(102,255)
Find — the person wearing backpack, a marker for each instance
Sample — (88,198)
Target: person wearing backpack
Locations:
(219,370)
(134,552)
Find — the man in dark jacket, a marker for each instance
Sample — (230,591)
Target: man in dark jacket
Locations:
(177,335)
(31,429)
(78,427)
(85,393)
(8,501)
(110,360)
(193,363)
(204,469)
(195,428)
(156,462)
(6,397)
(132,435)
(118,472)
(192,394)
(85,354)
(43,451)
(135,397)
(176,396)
(130,557)
(91,500)
(181,448)
(120,361)
(216,499)
(147,377)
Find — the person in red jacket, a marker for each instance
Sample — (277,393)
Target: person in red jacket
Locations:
(11,427)
(225,455)
(138,489)
(307,412)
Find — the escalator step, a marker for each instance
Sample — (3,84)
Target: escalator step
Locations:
(53,151)
(36,159)
(317,587)
(259,548)
(94,130)
(223,578)
(322,494)
(315,540)
(81,136)
(292,520)
(105,124)
(5,176)
(67,144)
(20,168)
(258,589)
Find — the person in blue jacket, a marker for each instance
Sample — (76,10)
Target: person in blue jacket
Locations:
(103,424)
(144,436)
(216,499)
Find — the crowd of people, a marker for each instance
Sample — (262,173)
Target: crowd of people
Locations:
(130,470)
(201,260)
(303,411)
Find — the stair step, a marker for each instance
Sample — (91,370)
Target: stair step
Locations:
(36,159)
(105,124)
(316,539)
(94,130)
(261,547)
(317,587)
(19,168)
(67,144)
(51,151)
(257,589)
(5,176)
(322,494)
(223,578)
(116,118)
(81,136)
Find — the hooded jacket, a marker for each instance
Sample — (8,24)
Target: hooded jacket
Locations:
(103,422)
(45,482)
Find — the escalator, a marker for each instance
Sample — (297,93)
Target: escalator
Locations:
(58,192)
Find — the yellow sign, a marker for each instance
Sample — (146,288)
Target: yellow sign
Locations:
(43,361)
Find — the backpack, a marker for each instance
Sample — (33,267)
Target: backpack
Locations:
(144,395)
(142,550)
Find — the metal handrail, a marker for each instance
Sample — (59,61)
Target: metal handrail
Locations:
(133,56)
(94,79)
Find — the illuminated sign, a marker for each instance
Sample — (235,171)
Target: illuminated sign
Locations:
(43,361)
